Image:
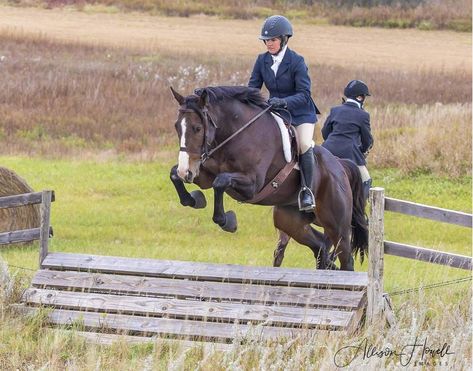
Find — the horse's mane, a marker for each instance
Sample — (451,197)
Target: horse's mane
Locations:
(243,94)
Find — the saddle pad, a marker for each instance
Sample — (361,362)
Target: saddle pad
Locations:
(286,142)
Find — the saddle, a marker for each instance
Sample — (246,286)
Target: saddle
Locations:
(290,146)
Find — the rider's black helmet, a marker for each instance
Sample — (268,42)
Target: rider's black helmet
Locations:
(276,26)
(356,88)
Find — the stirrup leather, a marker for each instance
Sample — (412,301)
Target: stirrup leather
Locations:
(299,198)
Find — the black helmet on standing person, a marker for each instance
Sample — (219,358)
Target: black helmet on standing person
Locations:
(276,26)
(356,88)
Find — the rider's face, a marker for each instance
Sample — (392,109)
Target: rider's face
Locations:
(273,45)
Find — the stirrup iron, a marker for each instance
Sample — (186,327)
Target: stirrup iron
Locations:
(299,198)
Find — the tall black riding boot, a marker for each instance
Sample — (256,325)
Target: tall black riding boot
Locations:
(307,166)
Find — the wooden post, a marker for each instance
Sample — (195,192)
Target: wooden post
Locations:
(45,209)
(376,257)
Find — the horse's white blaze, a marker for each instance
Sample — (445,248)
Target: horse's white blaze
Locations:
(183,160)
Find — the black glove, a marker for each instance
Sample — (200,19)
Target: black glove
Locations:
(277,102)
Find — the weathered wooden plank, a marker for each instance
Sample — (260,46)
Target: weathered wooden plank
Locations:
(24,199)
(46,197)
(190,309)
(207,271)
(199,290)
(428,255)
(375,256)
(148,326)
(428,212)
(24,235)
(109,339)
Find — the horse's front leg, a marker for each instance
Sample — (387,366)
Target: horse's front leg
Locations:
(242,184)
(195,199)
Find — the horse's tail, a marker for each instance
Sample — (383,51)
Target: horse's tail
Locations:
(359,220)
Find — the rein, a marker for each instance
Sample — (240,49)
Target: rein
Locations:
(206,156)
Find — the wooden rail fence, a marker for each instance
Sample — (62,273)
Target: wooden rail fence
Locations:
(378,246)
(41,233)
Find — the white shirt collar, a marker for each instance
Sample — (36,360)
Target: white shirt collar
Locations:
(354,101)
(279,57)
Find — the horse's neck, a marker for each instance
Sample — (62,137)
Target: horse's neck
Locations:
(232,119)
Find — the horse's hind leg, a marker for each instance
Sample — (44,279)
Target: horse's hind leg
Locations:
(342,248)
(280,248)
(297,225)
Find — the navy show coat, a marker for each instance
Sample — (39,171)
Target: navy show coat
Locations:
(292,82)
(347,132)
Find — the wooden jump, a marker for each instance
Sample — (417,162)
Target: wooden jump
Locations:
(102,297)
(197,301)
(147,298)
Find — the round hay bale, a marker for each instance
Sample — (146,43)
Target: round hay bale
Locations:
(23,217)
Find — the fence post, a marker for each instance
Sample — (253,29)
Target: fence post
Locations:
(376,257)
(45,225)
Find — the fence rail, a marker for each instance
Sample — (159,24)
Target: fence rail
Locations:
(378,246)
(43,232)
(428,212)
(427,255)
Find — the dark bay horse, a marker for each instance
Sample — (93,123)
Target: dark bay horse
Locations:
(246,161)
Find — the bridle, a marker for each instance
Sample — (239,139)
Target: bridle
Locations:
(205,153)
(206,118)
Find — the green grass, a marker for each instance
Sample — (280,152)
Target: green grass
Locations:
(131,209)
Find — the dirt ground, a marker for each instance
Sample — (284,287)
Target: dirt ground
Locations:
(320,44)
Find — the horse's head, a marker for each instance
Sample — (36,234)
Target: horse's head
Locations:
(194,132)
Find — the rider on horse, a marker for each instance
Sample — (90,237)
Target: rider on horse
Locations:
(285,75)
(347,131)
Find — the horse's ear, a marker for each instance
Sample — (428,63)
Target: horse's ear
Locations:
(180,99)
(204,98)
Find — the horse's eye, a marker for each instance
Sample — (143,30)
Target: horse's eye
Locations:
(196,129)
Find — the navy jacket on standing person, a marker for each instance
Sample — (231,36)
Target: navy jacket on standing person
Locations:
(292,82)
(347,132)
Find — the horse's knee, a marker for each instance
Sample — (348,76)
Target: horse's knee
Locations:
(221,182)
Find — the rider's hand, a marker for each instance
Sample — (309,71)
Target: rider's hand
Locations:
(277,102)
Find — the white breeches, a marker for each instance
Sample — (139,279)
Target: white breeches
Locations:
(305,135)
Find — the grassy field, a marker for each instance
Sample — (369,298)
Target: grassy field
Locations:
(85,110)
(130,209)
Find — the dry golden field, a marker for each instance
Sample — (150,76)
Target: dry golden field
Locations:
(78,83)
(378,48)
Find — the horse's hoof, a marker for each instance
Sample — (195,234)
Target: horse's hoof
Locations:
(199,198)
(332,266)
(277,262)
(230,222)
(278,258)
